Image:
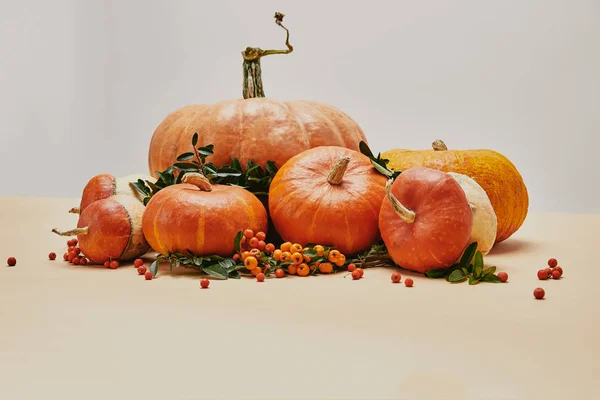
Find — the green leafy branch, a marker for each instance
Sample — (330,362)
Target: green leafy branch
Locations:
(254,179)
(215,266)
(376,256)
(379,163)
(470,267)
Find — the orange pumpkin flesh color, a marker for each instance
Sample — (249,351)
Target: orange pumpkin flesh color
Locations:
(426,220)
(491,170)
(254,127)
(201,217)
(111,229)
(330,195)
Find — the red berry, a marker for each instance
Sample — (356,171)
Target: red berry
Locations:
(396,277)
(542,274)
(408,282)
(552,262)
(351,267)
(141,270)
(279,273)
(261,236)
(106,264)
(356,274)
(260,277)
(75,241)
(556,274)
(253,243)
(138,262)
(148,275)
(66,256)
(261,245)
(236,257)
(248,233)
(503,276)
(70,257)
(75,260)
(360,271)
(204,283)
(52,256)
(270,248)
(11,261)
(559,269)
(77,251)
(539,293)
(114,264)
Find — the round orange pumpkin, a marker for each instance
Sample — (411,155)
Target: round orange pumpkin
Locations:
(426,219)
(491,170)
(254,127)
(328,195)
(201,217)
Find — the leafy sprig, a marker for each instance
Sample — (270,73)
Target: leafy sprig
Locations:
(254,178)
(470,268)
(379,163)
(215,266)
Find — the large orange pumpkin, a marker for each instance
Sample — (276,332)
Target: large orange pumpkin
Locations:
(328,195)
(491,170)
(254,127)
(426,220)
(201,217)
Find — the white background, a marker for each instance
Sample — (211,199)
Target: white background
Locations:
(85,83)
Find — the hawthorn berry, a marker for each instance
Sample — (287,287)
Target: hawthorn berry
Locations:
(11,261)
(408,282)
(542,274)
(556,274)
(351,267)
(261,236)
(66,256)
(114,264)
(248,233)
(148,275)
(106,264)
(138,262)
(52,256)
(260,277)
(83,261)
(356,274)
(552,262)
(396,277)
(279,273)
(539,293)
(503,276)
(141,270)
(204,283)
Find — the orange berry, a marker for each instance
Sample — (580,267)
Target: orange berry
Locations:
(270,247)
(260,277)
(360,271)
(341,260)
(292,269)
(356,274)
(256,271)
(277,254)
(261,236)
(306,258)
(285,246)
(253,243)
(296,248)
(303,269)
(297,258)
(326,268)
(251,263)
(245,255)
(248,234)
(320,249)
(285,256)
(279,273)
(334,255)
(255,253)
(261,245)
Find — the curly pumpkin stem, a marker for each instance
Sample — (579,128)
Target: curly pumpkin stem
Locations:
(439,145)
(403,212)
(336,175)
(73,232)
(75,210)
(253,86)
(198,180)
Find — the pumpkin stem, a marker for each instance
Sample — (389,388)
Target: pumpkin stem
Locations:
(439,145)
(73,232)
(253,86)
(198,180)
(403,212)
(336,175)
(75,210)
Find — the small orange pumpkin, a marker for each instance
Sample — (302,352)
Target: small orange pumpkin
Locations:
(330,195)
(201,217)
(491,170)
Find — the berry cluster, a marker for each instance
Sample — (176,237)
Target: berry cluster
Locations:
(73,254)
(554,271)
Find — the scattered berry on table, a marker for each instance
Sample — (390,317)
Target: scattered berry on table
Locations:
(114,264)
(66,256)
(542,274)
(558,269)
(396,277)
(360,271)
(408,282)
(279,273)
(107,264)
(141,270)
(204,283)
(75,260)
(503,276)
(52,256)
(260,277)
(83,261)
(556,274)
(356,274)
(11,261)
(552,262)
(138,262)
(351,267)
(148,275)
(539,293)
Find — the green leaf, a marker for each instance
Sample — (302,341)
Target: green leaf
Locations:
(197,261)
(478,265)
(237,241)
(216,271)
(456,276)
(468,254)
(140,188)
(234,275)
(235,164)
(185,156)
(271,168)
(364,149)
(154,268)
(381,170)
(310,252)
(195,139)
(474,280)
(205,151)
(436,273)
(491,278)
(186,166)
(489,271)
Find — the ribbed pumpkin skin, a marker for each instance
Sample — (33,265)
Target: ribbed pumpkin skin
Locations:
(491,170)
(442,226)
(260,129)
(182,217)
(99,187)
(306,208)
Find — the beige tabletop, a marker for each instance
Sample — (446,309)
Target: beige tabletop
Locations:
(71,332)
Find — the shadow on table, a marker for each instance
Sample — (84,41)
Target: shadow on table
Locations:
(511,246)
